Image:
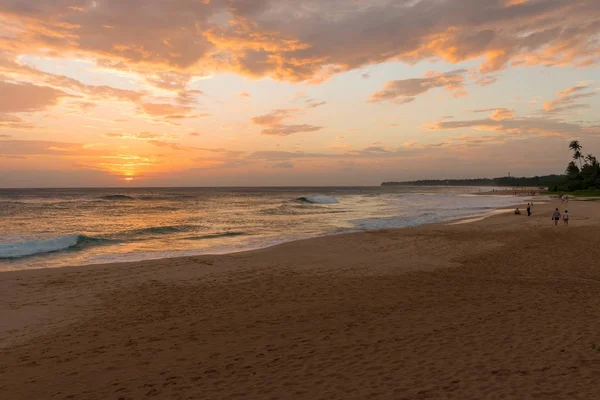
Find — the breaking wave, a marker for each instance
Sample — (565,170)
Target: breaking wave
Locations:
(319,199)
(33,247)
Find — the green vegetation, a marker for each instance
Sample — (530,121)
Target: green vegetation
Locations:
(506,181)
(580,193)
(582,174)
(582,178)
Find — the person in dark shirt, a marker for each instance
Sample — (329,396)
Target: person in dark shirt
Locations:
(556,217)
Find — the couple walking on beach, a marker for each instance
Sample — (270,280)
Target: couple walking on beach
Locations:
(556,217)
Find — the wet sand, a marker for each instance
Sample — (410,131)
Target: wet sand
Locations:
(505,307)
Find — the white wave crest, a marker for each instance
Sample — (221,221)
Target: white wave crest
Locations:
(320,199)
(30,248)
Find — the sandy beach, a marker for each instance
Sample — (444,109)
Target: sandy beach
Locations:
(502,308)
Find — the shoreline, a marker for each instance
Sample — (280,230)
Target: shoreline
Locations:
(462,311)
(475,217)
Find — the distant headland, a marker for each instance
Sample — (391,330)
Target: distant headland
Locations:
(508,181)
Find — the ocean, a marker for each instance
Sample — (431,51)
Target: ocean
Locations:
(45,228)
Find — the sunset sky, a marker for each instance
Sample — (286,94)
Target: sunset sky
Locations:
(293,92)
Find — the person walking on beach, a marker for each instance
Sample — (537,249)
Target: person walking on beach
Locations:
(556,217)
(528,210)
(566,218)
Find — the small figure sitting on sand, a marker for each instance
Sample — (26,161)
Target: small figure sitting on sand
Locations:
(566,217)
(517,212)
(556,217)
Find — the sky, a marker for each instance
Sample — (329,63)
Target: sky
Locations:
(293,92)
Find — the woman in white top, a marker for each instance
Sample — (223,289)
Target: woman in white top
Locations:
(566,217)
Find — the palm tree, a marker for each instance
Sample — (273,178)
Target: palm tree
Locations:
(577,157)
(591,160)
(576,148)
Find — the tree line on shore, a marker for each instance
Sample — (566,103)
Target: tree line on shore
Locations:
(509,181)
(582,173)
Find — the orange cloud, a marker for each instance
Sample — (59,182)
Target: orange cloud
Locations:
(497,114)
(510,3)
(14,122)
(171,145)
(290,42)
(169,111)
(22,72)
(567,100)
(502,114)
(285,130)
(273,125)
(26,97)
(141,135)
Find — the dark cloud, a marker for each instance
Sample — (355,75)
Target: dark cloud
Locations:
(40,147)
(519,126)
(486,80)
(281,155)
(367,153)
(379,152)
(314,104)
(283,164)
(274,117)
(188,97)
(169,80)
(405,90)
(497,114)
